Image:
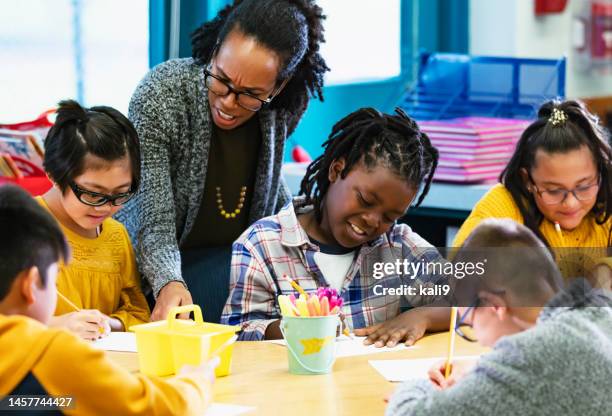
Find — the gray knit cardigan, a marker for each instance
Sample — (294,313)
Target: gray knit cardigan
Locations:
(171,114)
(561,366)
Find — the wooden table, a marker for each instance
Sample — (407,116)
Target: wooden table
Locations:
(260,378)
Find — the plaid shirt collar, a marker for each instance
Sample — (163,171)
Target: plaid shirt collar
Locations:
(293,235)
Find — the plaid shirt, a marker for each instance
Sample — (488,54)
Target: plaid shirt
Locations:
(278,245)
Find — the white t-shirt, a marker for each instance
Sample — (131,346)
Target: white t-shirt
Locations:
(334,267)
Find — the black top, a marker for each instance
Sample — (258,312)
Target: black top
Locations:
(232,164)
(331,248)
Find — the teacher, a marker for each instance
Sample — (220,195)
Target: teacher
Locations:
(212,131)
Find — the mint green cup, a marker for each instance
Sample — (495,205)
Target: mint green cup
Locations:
(311,343)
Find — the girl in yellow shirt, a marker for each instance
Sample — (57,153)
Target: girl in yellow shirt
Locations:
(558,182)
(92,157)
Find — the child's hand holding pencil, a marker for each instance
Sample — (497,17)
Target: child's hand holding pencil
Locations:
(89,324)
(459,368)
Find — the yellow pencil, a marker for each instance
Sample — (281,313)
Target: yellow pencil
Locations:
(76,308)
(72,305)
(296,286)
(451,342)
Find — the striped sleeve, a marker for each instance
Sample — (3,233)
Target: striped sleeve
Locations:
(251,302)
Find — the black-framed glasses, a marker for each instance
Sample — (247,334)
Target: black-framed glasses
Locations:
(557,196)
(462,328)
(96,199)
(244,99)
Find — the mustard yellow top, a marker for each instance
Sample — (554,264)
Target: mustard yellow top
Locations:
(51,361)
(102,275)
(498,203)
(590,237)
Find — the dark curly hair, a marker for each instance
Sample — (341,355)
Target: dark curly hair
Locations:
(291,28)
(581,128)
(394,141)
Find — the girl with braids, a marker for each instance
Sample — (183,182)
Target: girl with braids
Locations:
(213,130)
(558,182)
(372,169)
(92,156)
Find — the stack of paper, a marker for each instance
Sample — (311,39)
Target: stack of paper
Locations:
(473,149)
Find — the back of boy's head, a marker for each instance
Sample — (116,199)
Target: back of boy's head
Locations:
(516,262)
(99,131)
(378,139)
(30,237)
(561,127)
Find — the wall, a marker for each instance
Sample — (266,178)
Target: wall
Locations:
(432,25)
(510,27)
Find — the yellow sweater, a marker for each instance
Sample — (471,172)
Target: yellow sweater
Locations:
(37,360)
(498,203)
(102,275)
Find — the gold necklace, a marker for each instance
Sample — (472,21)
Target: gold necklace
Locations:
(222,210)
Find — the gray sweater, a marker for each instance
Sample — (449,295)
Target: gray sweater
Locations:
(561,366)
(171,114)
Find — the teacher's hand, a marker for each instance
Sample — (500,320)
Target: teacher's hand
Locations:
(171,295)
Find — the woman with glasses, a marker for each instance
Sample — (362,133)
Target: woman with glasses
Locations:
(558,183)
(92,156)
(213,131)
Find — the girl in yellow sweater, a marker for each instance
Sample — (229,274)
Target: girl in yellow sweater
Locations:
(558,182)
(92,156)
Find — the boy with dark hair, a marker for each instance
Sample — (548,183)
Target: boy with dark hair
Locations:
(37,360)
(551,347)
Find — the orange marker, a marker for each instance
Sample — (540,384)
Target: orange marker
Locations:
(325,306)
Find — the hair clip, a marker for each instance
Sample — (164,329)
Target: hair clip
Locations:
(558,117)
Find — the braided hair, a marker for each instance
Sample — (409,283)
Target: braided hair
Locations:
(291,28)
(578,128)
(394,141)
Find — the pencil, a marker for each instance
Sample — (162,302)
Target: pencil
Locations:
(451,342)
(65,299)
(296,286)
(76,308)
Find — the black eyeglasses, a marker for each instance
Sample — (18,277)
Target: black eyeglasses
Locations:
(95,199)
(244,99)
(557,196)
(463,329)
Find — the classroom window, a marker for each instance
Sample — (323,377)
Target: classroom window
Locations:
(95,51)
(362,40)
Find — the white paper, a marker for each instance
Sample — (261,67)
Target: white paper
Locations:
(117,341)
(347,347)
(402,370)
(223,409)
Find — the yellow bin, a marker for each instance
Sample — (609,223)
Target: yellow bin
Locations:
(166,346)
